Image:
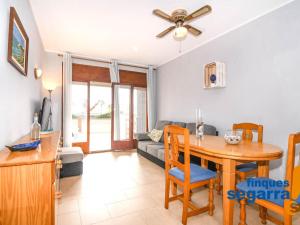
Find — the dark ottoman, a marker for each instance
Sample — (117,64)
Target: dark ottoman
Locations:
(72,164)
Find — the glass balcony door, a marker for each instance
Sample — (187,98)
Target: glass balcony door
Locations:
(100,117)
(140,110)
(80,115)
(122,134)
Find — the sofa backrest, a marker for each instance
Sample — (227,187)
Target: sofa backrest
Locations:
(208,129)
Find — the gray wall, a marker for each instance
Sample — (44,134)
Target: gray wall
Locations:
(263,79)
(20,96)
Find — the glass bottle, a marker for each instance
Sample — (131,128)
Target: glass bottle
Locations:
(35,128)
(199,124)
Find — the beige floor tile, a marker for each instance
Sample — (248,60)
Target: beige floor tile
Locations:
(130,206)
(67,205)
(69,219)
(130,219)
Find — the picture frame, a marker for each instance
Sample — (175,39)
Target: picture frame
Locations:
(18,43)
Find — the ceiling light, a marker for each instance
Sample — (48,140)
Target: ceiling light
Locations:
(180,33)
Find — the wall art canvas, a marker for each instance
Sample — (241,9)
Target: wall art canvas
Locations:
(18,43)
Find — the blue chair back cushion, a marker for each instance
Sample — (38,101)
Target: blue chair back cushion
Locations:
(197,173)
(246,167)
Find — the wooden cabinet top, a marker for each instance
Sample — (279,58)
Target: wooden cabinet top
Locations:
(46,152)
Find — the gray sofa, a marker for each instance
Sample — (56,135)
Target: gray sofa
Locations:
(154,151)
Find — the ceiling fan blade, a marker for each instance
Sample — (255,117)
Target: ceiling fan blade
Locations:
(200,12)
(162,15)
(193,30)
(162,34)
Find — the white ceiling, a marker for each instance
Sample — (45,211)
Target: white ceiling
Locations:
(125,30)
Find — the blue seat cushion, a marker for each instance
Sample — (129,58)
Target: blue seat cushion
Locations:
(298,199)
(246,167)
(243,186)
(197,173)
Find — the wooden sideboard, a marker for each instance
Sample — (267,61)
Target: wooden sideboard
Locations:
(27,183)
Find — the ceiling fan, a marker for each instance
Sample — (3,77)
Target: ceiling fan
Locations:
(179,17)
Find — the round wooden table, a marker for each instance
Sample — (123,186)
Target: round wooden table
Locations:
(215,149)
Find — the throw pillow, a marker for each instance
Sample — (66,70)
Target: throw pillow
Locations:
(155,135)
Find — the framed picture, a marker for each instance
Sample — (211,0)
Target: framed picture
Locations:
(18,43)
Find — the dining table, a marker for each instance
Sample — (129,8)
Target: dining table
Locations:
(215,149)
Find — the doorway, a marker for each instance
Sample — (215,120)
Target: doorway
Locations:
(91,116)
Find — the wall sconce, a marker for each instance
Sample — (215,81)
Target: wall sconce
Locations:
(38,73)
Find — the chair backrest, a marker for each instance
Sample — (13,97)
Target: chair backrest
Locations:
(292,172)
(248,129)
(296,183)
(171,139)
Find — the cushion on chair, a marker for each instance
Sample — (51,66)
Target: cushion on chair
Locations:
(246,167)
(298,199)
(197,173)
(243,186)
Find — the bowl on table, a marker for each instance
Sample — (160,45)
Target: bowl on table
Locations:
(232,137)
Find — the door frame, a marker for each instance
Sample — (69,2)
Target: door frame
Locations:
(122,144)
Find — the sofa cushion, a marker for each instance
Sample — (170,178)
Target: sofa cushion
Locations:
(153,149)
(156,135)
(208,129)
(142,145)
(191,127)
(181,124)
(160,125)
(142,137)
(161,154)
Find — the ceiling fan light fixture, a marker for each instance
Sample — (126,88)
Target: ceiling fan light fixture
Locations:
(180,33)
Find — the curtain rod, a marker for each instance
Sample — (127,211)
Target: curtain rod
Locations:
(108,62)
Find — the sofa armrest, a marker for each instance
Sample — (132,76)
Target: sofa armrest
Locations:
(142,136)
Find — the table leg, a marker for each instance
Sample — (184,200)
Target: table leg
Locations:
(263,168)
(263,171)
(228,184)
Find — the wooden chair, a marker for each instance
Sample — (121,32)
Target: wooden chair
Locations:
(248,169)
(278,205)
(186,175)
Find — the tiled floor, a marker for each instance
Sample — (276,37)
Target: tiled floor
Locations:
(123,188)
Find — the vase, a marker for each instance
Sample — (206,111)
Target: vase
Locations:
(199,124)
